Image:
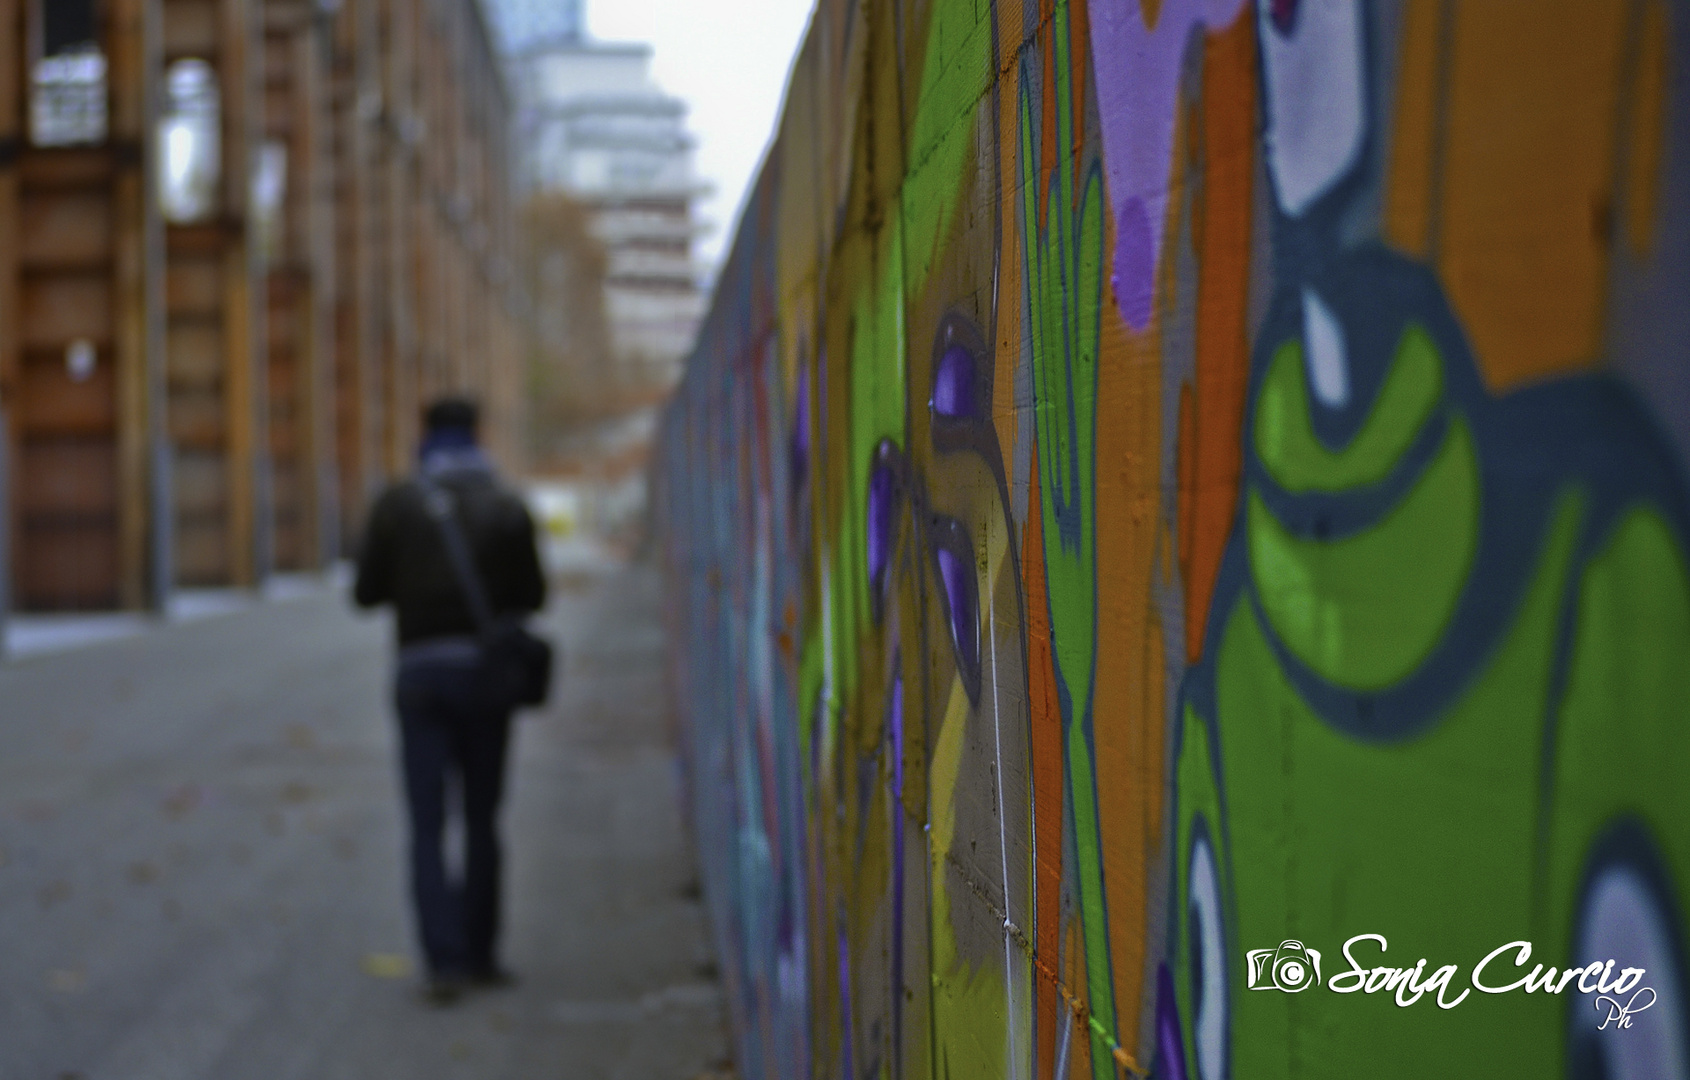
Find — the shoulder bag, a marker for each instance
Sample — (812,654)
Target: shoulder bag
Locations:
(518,664)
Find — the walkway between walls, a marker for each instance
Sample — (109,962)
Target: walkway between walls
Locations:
(200,862)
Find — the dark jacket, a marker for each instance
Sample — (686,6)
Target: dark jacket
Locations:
(403,559)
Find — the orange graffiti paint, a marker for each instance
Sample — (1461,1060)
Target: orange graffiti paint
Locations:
(1210,454)
(1129,390)
(1047,781)
(1412,153)
(1525,202)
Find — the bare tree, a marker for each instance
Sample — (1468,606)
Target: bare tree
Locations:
(572,370)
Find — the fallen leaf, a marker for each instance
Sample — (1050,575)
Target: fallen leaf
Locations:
(66,980)
(181,801)
(386,965)
(296,792)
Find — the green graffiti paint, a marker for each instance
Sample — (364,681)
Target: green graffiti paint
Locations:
(1458,804)
(1365,610)
(1611,763)
(1199,797)
(1285,438)
(1063,244)
(955,76)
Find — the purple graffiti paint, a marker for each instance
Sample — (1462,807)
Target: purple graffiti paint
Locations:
(1137,64)
(881,491)
(958,576)
(1135,264)
(1314,78)
(953,385)
(895,726)
(1170,1046)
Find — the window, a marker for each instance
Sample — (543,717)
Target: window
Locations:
(269,197)
(67,99)
(190,143)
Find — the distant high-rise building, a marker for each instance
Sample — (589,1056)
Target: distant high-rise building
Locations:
(521,24)
(592,123)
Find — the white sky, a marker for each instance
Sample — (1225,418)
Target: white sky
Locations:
(728,59)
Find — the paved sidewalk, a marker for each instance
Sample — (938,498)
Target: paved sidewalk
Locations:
(200,863)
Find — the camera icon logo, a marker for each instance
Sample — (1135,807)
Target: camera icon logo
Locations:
(1291,967)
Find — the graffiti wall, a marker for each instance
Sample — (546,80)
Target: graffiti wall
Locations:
(1177,535)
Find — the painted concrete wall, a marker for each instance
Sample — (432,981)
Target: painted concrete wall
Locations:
(1162,479)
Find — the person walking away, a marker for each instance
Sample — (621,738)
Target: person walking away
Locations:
(454,724)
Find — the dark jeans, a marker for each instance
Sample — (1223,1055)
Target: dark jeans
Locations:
(452,738)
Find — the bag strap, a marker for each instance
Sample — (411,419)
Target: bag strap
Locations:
(438,502)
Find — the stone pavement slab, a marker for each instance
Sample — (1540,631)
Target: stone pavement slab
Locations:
(201,876)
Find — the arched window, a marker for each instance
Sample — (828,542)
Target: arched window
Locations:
(190,143)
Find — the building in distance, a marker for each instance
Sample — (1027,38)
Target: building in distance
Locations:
(593,125)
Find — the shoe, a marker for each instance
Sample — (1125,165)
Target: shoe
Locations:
(444,989)
(491,978)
